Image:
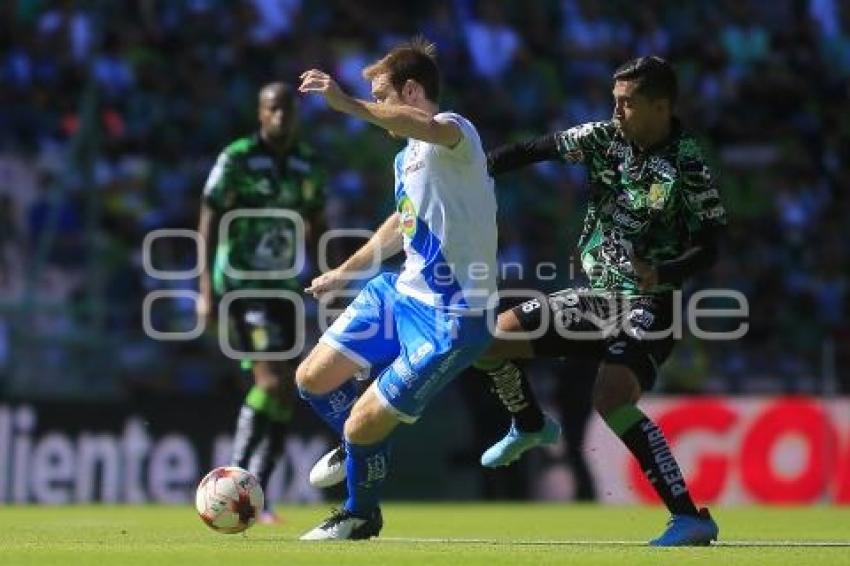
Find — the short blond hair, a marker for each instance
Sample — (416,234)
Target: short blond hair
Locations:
(416,60)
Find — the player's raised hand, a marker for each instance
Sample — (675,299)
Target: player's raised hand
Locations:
(326,282)
(321,83)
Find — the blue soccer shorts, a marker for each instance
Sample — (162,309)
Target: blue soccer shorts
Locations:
(414,348)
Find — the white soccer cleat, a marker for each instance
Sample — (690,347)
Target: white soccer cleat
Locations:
(330,469)
(342,525)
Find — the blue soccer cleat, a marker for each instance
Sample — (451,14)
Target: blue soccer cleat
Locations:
(687,530)
(516,442)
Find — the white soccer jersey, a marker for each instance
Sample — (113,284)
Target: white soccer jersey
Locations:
(447,205)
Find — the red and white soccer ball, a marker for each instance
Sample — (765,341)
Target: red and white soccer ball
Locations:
(229,499)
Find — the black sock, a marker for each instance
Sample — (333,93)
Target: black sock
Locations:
(647,443)
(512,387)
(251,427)
(269,451)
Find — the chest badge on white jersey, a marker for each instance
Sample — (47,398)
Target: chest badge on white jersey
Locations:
(407,214)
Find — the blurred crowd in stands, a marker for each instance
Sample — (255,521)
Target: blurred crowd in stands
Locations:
(112,114)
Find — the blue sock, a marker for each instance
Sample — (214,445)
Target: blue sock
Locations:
(366,468)
(335,406)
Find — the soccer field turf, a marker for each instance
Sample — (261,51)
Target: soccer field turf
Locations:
(421,534)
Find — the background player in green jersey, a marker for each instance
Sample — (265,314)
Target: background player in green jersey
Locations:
(267,170)
(652,221)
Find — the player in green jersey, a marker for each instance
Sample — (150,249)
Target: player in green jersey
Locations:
(255,180)
(652,221)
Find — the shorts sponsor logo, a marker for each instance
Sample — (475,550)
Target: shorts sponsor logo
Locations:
(419,353)
(617,348)
(403,371)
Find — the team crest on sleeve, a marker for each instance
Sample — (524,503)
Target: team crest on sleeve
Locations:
(407,214)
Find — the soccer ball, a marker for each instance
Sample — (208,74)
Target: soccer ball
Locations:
(229,499)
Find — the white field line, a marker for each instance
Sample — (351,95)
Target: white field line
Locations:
(506,542)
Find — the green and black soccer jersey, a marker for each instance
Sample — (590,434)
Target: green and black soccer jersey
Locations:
(651,205)
(660,206)
(657,205)
(248,187)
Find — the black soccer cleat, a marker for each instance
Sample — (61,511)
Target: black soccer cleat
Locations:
(342,525)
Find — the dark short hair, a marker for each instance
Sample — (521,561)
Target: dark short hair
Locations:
(654,76)
(279,88)
(412,60)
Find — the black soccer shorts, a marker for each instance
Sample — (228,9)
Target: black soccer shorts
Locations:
(602,326)
(262,325)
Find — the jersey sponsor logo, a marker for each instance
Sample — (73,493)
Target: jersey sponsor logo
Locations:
(661,167)
(414,167)
(699,198)
(259,162)
(626,220)
(696,174)
(298,165)
(712,213)
(620,150)
(607,176)
(407,214)
(632,200)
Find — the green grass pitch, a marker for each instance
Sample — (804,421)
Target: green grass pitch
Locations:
(421,534)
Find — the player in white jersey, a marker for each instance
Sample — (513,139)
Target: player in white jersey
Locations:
(418,330)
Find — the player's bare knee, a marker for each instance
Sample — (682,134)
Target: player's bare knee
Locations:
(366,424)
(508,322)
(357,429)
(508,342)
(306,378)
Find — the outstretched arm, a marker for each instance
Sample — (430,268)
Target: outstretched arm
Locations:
(400,119)
(209,235)
(517,155)
(383,244)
